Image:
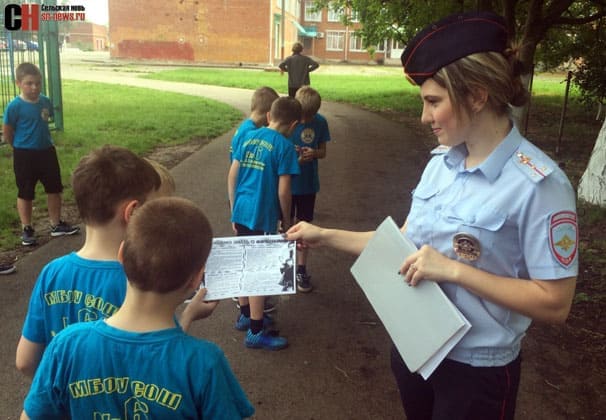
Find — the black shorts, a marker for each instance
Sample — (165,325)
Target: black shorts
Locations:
(244,231)
(458,390)
(302,207)
(31,166)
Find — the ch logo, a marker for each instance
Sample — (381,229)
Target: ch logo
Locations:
(24,17)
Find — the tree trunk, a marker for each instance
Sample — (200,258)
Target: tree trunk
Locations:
(592,187)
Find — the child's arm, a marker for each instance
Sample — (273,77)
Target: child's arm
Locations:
(285,197)
(232,177)
(308,154)
(8,133)
(28,356)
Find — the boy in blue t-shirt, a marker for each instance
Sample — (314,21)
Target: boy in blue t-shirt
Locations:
(309,137)
(90,284)
(139,362)
(26,129)
(260,104)
(259,194)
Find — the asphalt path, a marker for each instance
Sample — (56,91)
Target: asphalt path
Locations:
(337,365)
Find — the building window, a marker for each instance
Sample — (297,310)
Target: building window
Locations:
(335,13)
(335,40)
(356,43)
(311,15)
(354,16)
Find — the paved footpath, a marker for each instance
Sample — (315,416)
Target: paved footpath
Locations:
(337,365)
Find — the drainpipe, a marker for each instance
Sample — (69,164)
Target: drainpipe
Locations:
(270,32)
(346,41)
(283,30)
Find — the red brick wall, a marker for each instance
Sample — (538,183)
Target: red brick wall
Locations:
(216,31)
(88,35)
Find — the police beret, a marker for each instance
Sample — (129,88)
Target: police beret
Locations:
(450,39)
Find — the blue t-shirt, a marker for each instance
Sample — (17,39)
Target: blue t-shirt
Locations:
(247,126)
(309,134)
(264,156)
(72,289)
(92,370)
(514,216)
(30,122)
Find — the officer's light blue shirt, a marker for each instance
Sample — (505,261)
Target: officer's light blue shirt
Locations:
(519,210)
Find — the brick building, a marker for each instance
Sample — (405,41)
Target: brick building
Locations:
(231,31)
(87,36)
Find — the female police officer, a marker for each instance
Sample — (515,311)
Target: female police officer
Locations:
(494,219)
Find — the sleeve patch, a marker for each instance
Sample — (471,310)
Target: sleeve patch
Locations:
(563,237)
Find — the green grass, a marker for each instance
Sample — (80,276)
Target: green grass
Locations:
(96,114)
(387,92)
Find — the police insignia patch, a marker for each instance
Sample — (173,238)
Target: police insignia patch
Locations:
(563,237)
(466,246)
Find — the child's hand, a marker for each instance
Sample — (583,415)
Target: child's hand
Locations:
(307,154)
(197,309)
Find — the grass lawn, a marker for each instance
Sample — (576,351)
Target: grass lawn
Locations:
(96,114)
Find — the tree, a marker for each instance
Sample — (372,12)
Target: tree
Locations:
(528,22)
(562,28)
(592,187)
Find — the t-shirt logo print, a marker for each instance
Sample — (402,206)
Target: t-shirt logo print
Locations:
(307,135)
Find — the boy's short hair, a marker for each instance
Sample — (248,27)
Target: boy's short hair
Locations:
(26,69)
(167,242)
(107,176)
(297,48)
(310,100)
(168,186)
(285,110)
(262,99)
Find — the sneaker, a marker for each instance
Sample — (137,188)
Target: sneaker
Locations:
(303,283)
(7,268)
(264,340)
(28,237)
(62,228)
(243,323)
(268,308)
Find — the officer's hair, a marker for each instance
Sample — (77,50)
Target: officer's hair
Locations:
(310,100)
(285,110)
(262,99)
(494,72)
(167,242)
(26,69)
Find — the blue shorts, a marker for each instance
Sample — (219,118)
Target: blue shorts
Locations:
(31,166)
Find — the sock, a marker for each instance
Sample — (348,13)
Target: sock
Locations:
(256,325)
(301,269)
(245,310)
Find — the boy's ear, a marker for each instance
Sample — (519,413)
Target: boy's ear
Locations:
(129,209)
(268,117)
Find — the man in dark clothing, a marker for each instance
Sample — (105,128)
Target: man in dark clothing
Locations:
(298,67)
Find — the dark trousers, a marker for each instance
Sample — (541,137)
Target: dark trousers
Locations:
(458,391)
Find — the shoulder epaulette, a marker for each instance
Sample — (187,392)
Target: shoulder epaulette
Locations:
(440,150)
(533,168)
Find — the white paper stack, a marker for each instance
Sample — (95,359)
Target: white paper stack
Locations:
(422,322)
